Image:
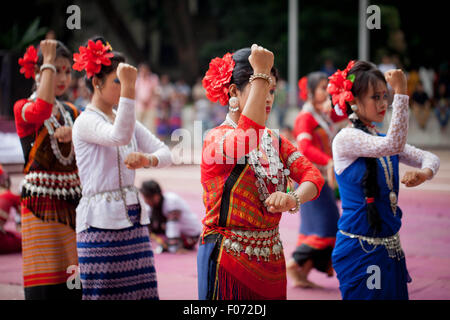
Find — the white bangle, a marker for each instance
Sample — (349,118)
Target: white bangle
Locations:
(150,159)
(260,76)
(48,66)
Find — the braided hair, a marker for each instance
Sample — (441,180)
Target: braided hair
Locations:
(367,74)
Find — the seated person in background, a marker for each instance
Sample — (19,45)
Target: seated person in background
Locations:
(421,105)
(10,241)
(172,224)
(442,105)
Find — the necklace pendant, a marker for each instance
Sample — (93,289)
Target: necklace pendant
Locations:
(393,197)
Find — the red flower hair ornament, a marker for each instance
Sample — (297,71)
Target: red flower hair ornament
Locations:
(303,88)
(217,79)
(28,62)
(92,57)
(339,87)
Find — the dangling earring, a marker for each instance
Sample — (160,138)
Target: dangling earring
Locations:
(234,104)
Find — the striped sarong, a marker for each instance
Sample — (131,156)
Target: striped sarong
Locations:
(48,250)
(117,264)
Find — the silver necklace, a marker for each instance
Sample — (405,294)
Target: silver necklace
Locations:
(276,174)
(389,175)
(51,124)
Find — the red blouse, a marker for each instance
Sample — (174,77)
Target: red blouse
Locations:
(222,149)
(35,113)
(313,141)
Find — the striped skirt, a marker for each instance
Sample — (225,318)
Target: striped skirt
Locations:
(48,252)
(117,264)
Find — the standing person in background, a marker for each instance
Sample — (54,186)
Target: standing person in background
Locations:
(146,96)
(314,130)
(280,105)
(166,93)
(84,95)
(114,248)
(51,188)
(421,105)
(442,105)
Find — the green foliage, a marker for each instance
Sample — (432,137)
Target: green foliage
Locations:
(13,39)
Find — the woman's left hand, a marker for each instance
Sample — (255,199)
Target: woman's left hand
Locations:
(280,202)
(415,177)
(136,160)
(63,134)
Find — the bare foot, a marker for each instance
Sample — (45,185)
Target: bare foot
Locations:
(293,270)
(306,284)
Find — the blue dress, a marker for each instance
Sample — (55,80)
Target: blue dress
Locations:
(366,271)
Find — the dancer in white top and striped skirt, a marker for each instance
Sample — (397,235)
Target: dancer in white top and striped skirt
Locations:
(114,249)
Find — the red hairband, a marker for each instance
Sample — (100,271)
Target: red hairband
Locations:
(370,200)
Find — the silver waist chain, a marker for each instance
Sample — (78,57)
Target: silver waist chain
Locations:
(392,244)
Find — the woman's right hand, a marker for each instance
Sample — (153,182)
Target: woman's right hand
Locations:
(261,59)
(127,75)
(48,49)
(397,80)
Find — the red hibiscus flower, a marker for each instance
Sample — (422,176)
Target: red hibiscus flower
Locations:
(340,86)
(217,79)
(28,62)
(92,57)
(303,88)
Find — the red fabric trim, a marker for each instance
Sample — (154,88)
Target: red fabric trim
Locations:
(252,280)
(45,278)
(315,241)
(370,200)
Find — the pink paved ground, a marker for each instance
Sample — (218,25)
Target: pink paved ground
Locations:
(425,238)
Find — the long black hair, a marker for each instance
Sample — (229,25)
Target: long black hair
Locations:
(150,188)
(366,75)
(105,70)
(243,69)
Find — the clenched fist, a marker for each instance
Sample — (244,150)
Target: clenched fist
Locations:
(48,49)
(397,79)
(280,202)
(63,134)
(261,59)
(127,75)
(136,160)
(415,177)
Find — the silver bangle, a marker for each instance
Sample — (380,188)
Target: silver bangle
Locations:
(150,159)
(48,66)
(260,76)
(297,200)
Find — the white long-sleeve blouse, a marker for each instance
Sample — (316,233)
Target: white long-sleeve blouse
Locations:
(100,149)
(351,143)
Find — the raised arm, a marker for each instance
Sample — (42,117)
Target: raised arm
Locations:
(354,143)
(95,129)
